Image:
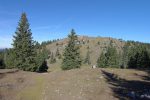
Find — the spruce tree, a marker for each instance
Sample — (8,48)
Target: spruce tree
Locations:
(2,65)
(112,57)
(52,58)
(41,62)
(87,58)
(58,54)
(9,58)
(143,60)
(101,61)
(140,57)
(71,54)
(132,53)
(23,46)
(125,57)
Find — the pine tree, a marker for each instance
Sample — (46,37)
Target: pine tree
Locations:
(140,57)
(101,61)
(87,58)
(9,59)
(124,56)
(111,56)
(45,52)
(143,60)
(71,54)
(131,55)
(52,58)
(41,62)
(37,45)
(58,54)
(2,65)
(120,60)
(23,46)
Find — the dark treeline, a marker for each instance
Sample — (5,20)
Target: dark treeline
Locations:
(108,58)
(134,55)
(2,64)
(44,43)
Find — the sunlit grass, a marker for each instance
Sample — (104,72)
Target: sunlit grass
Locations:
(33,92)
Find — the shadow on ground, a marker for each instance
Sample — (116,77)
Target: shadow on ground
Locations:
(146,77)
(9,71)
(127,89)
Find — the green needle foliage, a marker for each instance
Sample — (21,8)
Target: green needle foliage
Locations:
(24,46)
(71,54)
(41,62)
(52,58)
(2,64)
(140,58)
(109,59)
(25,53)
(87,59)
(58,54)
(101,61)
(111,56)
(9,58)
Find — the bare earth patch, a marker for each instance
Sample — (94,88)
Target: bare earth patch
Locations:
(76,84)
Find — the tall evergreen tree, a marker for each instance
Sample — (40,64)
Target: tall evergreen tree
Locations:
(140,57)
(23,46)
(125,54)
(112,57)
(41,62)
(9,58)
(101,61)
(2,65)
(143,60)
(52,58)
(87,58)
(58,54)
(71,54)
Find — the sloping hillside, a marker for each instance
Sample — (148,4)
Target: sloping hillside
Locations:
(95,44)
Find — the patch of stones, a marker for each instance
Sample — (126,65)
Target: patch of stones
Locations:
(135,95)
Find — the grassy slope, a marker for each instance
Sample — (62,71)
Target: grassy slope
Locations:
(94,48)
(21,85)
(32,92)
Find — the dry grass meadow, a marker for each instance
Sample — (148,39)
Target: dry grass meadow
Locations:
(77,84)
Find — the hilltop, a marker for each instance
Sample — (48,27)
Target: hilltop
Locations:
(77,84)
(95,45)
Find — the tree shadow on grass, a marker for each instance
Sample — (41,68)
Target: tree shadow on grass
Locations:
(127,89)
(146,77)
(9,71)
(4,72)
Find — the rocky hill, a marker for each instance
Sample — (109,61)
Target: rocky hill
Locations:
(95,45)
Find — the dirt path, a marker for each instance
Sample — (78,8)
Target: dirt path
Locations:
(79,84)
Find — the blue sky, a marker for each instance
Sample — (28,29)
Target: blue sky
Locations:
(52,19)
